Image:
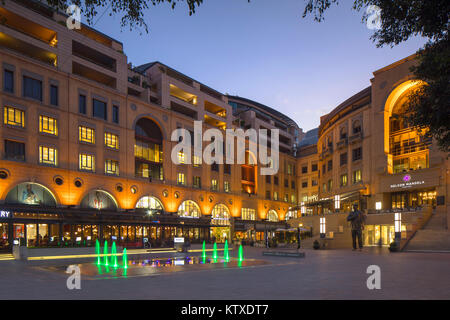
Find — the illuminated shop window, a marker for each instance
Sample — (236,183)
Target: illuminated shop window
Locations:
(48,155)
(149,203)
(344,179)
(86,134)
(112,167)
(86,162)
(197,161)
(48,125)
(14,117)
(111,140)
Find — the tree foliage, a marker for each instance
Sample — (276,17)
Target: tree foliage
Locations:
(132,12)
(401,19)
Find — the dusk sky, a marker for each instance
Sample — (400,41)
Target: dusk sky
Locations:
(264,51)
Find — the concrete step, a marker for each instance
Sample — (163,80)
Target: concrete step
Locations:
(6,257)
(430,240)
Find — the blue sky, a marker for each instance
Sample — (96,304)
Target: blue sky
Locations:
(264,50)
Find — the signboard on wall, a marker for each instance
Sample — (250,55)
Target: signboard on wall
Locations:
(407,182)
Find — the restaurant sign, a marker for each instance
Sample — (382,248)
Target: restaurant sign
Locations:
(407,182)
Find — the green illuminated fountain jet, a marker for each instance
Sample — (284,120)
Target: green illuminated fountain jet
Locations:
(114,255)
(215,252)
(241,254)
(226,255)
(105,254)
(124,258)
(204,252)
(97,252)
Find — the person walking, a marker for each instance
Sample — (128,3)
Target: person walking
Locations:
(357,220)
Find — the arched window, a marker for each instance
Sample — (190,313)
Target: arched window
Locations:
(100,200)
(272,215)
(148,150)
(148,202)
(220,215)
(30,193)
(189,209)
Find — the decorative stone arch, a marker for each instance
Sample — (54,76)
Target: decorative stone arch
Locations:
(149,202)
(189,209)
(24,193)
(151,117)
(272,215)
(98,199)
(398,92)
(220,215)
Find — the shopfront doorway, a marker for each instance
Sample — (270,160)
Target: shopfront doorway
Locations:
(5,246)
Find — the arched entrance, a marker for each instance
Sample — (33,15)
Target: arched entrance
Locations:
(220,219)
(151,203)
(32,233)
(189,209)
(272,215)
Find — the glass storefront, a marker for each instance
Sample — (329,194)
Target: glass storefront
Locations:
(380,235)
(413,199)
(4,239)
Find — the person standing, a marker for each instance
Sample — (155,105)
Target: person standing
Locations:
(356,219)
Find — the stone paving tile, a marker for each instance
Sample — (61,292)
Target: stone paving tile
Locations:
(333,274)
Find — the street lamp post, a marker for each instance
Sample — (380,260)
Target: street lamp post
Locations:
(398,226)
(322,227)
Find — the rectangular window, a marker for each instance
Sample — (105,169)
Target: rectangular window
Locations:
(197,161)
(32,88)
(268,194)
(181,157)
(197,182)
(314,167)
(48,155)
(275,180)
(86,134)
(357,176)
(111,140)
(305,169)
(286,183)
(330,185)
(292,198)
(14,150)
(8,81)
(343,158)
(181,179)
(275,196)
(53,95)
(289,168)
(86,162)
(324,168)
(268,179)
(227,168)
(48,125)
(344,179)
(99,109)
(14,117)
(226,186)
(293,184)
(248,214)
(357,154)
(214,185)
(115,114)
(82,108)
(314,182)
(330,165)
(305,184)
(112,167)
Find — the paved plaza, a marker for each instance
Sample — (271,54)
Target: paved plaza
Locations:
(324,274)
